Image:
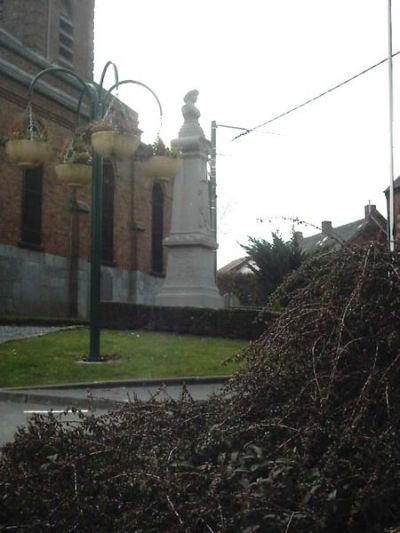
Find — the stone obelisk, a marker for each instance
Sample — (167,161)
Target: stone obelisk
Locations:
(190,278)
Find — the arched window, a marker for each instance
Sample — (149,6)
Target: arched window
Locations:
(31,215)
(66,35)
(108,214)
(157,229)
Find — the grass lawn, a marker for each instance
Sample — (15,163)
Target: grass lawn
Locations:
(56,358)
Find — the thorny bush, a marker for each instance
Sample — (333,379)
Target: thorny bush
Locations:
(305,439)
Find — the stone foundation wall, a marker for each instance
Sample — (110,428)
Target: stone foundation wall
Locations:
(37,284)
(32,283)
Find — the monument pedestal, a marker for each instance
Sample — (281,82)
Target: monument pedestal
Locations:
(190,274)
(190,278)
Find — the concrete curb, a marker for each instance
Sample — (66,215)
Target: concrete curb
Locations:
(63,401)
(28,394)
(189,380)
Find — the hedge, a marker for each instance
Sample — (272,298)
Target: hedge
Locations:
(232,323)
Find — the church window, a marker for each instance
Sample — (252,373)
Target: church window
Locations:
(157,229)
(31,220)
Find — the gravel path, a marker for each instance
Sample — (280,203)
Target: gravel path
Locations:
(10,333)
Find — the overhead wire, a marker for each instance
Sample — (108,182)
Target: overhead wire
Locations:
(313,99)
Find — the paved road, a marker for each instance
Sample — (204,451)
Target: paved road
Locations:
(11,333)
(17,406)
(125,393)
(16,414)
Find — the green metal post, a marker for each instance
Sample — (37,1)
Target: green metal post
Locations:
(98,97)
(95,257)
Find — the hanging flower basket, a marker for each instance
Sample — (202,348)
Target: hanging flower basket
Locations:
(108,143)
(162,166)
(27,145)
(164,163)
(74,173)
(27,153)
(75,161)
(117,135)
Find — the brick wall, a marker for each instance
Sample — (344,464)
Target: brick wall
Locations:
(132,202)
(371,232)
(27,21)
(54,102)
(396,210)
(59,123)
(36,24)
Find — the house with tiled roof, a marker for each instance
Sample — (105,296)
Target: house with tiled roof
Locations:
(372,227)
(396,191)
(237,266)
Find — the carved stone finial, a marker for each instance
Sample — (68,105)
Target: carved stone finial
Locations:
(191,114)
(191,97)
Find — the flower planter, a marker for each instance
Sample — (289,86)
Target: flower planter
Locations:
(27,153)
(74,173)
(113,143)
(162,166)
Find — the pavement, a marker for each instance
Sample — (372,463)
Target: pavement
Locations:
(12,333)
(109,394)
(14,415)
(18,404)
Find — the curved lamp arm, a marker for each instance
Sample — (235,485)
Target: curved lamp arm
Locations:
(92,90)
(124,82)
(103,74)
(87,88)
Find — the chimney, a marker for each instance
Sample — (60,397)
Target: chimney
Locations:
(369,210)
(298,237)
(326,227)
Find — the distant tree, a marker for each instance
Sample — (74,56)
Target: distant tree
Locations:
(244,286)
(271,262)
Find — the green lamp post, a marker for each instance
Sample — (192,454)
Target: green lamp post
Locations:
(99,99)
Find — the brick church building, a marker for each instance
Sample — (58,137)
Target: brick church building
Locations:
(45,224)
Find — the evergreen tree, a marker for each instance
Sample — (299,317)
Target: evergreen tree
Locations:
(271,262)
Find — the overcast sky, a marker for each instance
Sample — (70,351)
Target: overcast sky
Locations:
(251,61)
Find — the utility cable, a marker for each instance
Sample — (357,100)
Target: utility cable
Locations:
(247,131)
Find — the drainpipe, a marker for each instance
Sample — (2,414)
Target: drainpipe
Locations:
(49,15)
(74,255)
(133,248)
(392,232)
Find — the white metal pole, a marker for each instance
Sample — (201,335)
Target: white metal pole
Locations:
(213,188)
(392,232)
